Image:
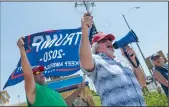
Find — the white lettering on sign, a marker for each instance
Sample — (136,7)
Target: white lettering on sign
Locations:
(78,34)
(52,55)
(60,64)
(19,69)
(53,65)
(72,63)
(37,40)
(62,40)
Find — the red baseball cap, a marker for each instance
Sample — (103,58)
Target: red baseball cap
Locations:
(38,69)
(99,36)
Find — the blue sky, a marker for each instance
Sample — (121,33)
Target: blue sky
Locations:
(150,23)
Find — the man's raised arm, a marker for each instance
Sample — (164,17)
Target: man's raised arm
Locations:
(85,49)
(27,71)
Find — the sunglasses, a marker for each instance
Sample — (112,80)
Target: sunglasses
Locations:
(155,58)
(105,40)
(37,73)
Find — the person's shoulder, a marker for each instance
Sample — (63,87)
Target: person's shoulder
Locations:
(38,86)
(154,69)
(166,65)
(95,56)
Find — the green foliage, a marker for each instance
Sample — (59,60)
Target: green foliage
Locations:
(156,99)
(97,100)
(94,93)
(151,99)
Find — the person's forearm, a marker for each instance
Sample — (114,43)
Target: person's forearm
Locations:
(27,71)
(90,101)
(85,51)
(166,83)
(140,76)
(26,68)
(163,81)
(160,78)
(69,100)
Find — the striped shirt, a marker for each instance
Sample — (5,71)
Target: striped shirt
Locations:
(115,83)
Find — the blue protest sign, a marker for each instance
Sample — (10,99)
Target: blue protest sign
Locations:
(56,50)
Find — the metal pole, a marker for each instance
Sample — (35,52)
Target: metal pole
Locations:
(18,99)
(136,42)
(93,29)
(87,9)
(126,22)
(138,47)
(143,57)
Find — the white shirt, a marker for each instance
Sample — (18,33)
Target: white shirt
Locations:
(115,83)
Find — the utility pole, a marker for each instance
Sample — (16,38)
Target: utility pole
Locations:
(136,42)
(18,99)
(87,6)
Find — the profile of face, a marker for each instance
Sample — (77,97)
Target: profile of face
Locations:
(158,61)
(105,46)
(39,78)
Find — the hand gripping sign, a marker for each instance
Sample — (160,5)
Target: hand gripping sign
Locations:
(56,50)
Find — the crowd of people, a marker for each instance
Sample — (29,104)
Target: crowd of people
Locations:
(115,83)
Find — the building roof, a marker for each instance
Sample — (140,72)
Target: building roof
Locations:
(17,104)
(4,97)
(5,92)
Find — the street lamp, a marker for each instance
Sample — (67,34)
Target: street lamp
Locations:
(126,13)
(133,8)
(136,42)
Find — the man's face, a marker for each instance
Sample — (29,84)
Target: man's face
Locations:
(158,61)
(39,78)
(105,46)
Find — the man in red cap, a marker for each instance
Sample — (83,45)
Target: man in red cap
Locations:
(115,83)
(37,93)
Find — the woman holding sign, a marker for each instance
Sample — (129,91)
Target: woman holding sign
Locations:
(37,93)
